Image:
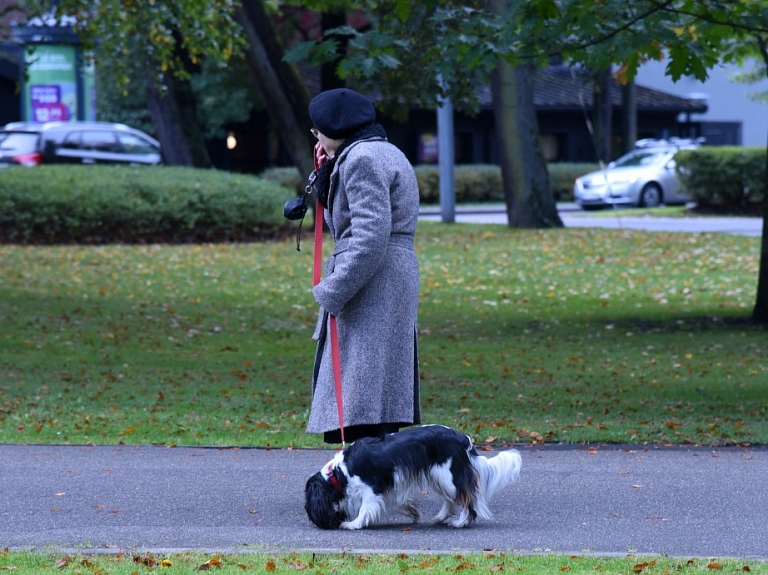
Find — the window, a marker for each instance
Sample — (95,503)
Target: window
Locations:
(100,141)
(18,142)
(133,144)
(72,141)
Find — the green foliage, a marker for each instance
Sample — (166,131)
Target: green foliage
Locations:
(168,30)
(473,182)
(62,204)
(285,177)
(413,52)
(729,178)
(406,50)
(562,176)
(222,94)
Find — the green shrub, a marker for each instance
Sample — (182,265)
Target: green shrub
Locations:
(562,176)
(103,204)
(287,178)
(483,183)
(726,179)
(474,183)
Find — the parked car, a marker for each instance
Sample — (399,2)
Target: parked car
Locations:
(645,177)
(31,144)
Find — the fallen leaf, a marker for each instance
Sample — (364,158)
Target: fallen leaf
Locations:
(208,564)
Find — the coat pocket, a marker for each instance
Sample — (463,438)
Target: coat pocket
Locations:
(322,320)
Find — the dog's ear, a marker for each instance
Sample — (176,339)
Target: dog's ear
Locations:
(321,502)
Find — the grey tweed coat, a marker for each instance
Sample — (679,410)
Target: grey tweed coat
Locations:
(371,285)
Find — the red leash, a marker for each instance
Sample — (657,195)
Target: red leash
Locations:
(335,355)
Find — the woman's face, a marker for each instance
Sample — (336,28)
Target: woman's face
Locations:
(329,145)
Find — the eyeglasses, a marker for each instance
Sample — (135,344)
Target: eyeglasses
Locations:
(315,132)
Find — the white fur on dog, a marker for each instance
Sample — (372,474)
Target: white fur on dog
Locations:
(357,487)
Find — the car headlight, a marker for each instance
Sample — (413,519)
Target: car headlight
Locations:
(594,181)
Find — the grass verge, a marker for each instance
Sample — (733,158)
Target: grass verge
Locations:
(571,335)
(23,563)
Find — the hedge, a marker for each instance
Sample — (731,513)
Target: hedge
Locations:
(473,182)
(105,204)
(725,179)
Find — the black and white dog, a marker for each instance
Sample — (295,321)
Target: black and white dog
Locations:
(355,488)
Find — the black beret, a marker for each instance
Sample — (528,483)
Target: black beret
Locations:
(341,112)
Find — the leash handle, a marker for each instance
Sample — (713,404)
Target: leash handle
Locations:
(335,355)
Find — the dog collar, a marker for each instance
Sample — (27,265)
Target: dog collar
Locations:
(335,482)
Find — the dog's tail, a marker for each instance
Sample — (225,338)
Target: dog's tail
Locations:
(494,474)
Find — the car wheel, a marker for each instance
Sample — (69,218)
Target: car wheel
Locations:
(650,196)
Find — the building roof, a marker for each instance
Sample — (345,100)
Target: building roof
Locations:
(563,88)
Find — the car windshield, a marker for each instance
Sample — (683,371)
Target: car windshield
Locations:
(18,142)
(640,158)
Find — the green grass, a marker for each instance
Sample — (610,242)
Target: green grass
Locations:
(23,563)
(571,335)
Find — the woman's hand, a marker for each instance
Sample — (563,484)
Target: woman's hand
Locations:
(320,156)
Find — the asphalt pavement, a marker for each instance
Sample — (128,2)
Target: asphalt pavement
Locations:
(686,502)
(575,217)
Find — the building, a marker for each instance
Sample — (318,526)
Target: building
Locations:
(732,116)
(563,102)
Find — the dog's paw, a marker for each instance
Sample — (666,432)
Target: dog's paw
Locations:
(350,525)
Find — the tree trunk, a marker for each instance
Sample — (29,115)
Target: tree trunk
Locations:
(167,120)
(528,193)
(279,83)
(602,115)
(173,109)
(628,117)
(760,313)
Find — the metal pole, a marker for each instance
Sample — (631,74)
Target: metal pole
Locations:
(445,151)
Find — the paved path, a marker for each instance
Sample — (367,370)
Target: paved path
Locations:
(573,217)
(606,500)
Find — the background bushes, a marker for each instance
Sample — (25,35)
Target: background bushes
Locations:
(473,182)
(727,179)
(104,204)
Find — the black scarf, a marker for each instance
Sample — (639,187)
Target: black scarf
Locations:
(323,182)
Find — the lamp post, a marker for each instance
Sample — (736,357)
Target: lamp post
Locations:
(446,156)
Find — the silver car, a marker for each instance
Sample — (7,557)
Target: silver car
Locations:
(645,177)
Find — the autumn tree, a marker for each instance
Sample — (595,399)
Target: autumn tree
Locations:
(175,36)
(416,54)
(692,35)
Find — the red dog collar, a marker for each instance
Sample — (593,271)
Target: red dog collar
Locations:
(335,482)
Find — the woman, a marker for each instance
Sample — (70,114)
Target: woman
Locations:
(371,282)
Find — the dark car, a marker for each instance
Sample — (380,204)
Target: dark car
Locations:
(31,144)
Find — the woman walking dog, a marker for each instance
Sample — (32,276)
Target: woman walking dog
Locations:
(371,282)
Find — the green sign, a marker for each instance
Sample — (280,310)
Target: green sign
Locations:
(50,90)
